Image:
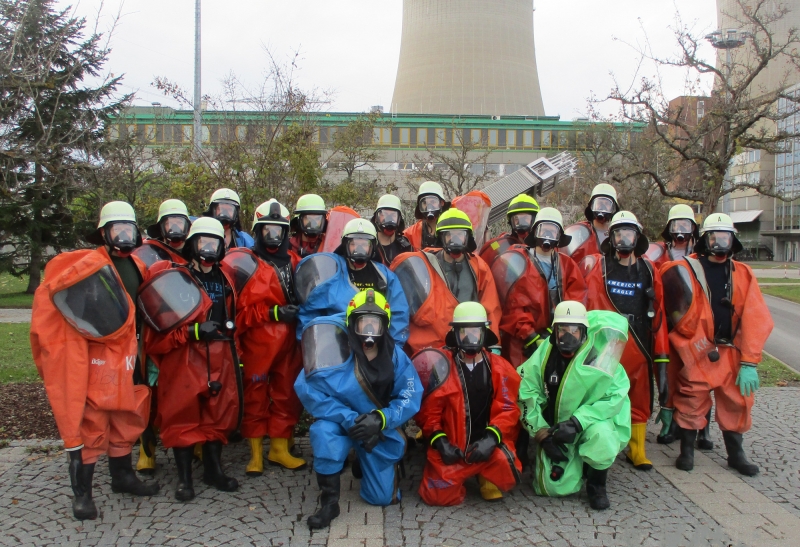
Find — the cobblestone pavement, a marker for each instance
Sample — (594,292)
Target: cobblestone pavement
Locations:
(709,506)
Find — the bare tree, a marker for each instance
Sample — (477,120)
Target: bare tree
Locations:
(742,115)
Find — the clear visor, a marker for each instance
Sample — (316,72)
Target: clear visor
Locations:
(312,222)
(388,216)
(521,221)
(720,240)
(208,245)
(456,238)
(225,210)
(602,204)
(272,232)
(470,336)
(564,330)
(548,230)
(122,232)
(681,226)
(430,204)
(359,247)
(369,325)
(175,226)
(625,237)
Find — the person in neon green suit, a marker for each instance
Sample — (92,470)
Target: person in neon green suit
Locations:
(574,402)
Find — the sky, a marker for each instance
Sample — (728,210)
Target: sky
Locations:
(351,47)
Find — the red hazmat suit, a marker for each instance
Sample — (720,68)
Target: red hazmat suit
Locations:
(187,411)
(83,339)
(692,374)
(525,297)
(431,304)
(271,357)
(153,250)
(584,241)
(638,357)
(497,246)
(414,234)
(444,410)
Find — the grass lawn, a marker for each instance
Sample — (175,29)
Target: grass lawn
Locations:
(16,361)
(789,293)
(773,373)
(12,292)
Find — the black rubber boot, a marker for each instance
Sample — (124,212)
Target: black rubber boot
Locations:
(329,486)
(596,488)
(523,442)
(669,436)
(183,462)
(685,461)
(80,477)
(704,441)
(736,457)
(358,473)
(125,481)
(212,468)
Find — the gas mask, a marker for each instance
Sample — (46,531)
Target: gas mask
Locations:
(521,223)
(388,220)
(681,230)
(369,328)
(623,240)
(547,235)
(208,250)
(225,211)
(602,208)
(569,337)
(431,206)
(359,250)
(455,242)
(121,237)
(311,224)
(272,236)
(174,230)
(719,243)
(470,339)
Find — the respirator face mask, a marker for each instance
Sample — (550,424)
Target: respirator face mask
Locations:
(430,205)
(624,240)
(388,220)
(368,328)
(311,224)
(226,212)
(719,243)
(175,229)
(121,236)
(470,339)
(603,208)
(208,249)
(359,250)
(681,229)
(569,337)
(272,234)
(521,222)
(547,235)
(455,242)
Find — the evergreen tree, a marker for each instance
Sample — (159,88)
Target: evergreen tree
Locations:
(55,103)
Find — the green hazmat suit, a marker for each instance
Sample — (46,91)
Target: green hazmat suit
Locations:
(594,389)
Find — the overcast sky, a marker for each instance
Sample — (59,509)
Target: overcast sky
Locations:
(351,46)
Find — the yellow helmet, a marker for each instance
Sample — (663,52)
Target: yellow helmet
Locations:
(116,211)
(522,203)
(453,219)
(271,212)
(368,301)
(225,194)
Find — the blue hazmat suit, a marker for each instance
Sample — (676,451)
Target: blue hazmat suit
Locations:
(243,239)
(328,290)
(333,394)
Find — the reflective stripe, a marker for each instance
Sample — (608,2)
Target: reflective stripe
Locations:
(496,432)
(275,312)
(383,419)
(433,440)
(196,334)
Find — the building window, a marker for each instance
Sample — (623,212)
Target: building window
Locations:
(475,136)
(546,139)
(493,137)
(511,138)
(563,139)
(188,131)
(382,136)
(701,110)
(422,137)
(205,134)
(405,136)
(441,137)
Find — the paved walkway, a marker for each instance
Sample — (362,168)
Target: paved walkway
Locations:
(10,315)
(665,507)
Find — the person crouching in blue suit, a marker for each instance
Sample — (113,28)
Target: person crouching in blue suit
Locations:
(327,281)
(360,387)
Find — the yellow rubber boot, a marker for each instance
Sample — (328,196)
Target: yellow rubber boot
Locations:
(291,441)
(636,455)
(146,465)
(255,467)
(198,451)
(279,455)
(489,491)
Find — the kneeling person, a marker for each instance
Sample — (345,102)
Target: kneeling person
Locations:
(360,387)
(586,422)
(470,414)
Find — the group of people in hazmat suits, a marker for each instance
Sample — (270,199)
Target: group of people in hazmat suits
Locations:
(202,334)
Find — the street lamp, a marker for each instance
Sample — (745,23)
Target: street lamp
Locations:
(727,39)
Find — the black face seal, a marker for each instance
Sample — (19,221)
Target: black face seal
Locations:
(369,328)
(431,206)
(312,224)
(207,249)
(359,250)
(174,229)
(455,241)
(547,235)
(225,211)
(603,208)
(681,229)
(521,223)
(720,244)
(623,240)
(569,337)
(272,236)
(387,220)
(469,339)
(121,237)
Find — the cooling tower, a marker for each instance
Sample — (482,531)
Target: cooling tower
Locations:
(467,57)
(729,16)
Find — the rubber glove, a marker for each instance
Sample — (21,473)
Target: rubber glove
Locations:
(565,432)
(208,330)
(665,417)
(481,450)
(366,426)
(551,449)
(450,453)
(747,380)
